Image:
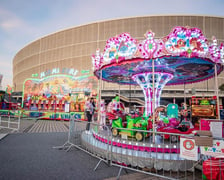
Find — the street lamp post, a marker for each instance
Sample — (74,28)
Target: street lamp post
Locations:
(217,55)
(153,100)
(217,91)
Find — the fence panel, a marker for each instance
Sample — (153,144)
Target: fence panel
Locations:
(10,122)
(85,140)
(156,154)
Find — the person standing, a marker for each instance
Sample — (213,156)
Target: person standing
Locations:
(89,112)
(102,114)
(94,106)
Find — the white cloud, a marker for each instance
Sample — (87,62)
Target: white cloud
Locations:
(10,24)
(9,20)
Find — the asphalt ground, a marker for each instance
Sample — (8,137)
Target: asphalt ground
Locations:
(29,154)
(26,156)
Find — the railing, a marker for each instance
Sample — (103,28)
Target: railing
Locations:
(158,157)
(172,93)
(10,122)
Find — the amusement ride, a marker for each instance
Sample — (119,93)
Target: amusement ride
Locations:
(184,56)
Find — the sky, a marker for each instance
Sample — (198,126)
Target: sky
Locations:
(24,21)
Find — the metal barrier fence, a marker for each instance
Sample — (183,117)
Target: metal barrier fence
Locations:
(82,139)
(10,122)
(159,156)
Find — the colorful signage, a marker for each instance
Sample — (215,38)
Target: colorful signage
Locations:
(213,125)
(59,86)
(49,72)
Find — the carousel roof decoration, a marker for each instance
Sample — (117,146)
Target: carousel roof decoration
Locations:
(97,59)
(119,48)
(217,53)
(150,47)
(188,42)
(182,41)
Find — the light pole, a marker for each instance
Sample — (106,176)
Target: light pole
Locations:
(153,96)
(217,91)
(217,55)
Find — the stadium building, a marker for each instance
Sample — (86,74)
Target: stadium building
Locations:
(69,51)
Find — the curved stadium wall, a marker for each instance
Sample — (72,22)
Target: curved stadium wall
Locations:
(73,47)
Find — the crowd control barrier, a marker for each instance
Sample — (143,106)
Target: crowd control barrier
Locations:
(158,154)
(10,122)
(77,133)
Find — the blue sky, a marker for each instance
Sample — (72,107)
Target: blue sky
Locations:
(24,21)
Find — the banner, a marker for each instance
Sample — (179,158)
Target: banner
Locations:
(216,129)
(188,149)
(216,150)
(214,125)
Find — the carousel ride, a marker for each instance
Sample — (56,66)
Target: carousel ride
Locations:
(184,56)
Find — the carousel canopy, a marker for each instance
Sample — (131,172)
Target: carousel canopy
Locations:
(185,54)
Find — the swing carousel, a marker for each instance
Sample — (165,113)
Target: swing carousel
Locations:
(184,56)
